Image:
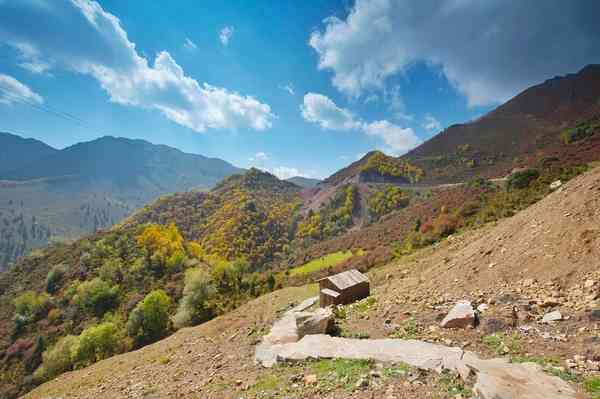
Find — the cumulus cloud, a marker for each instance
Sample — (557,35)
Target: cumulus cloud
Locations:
(283,172)
(225,35)
(397,139)
(431,123)
(103,50)
(488,50)
(321,110)
(189,45)
(12,91)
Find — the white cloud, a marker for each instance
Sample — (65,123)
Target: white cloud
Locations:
(488,50)
(103,50)
(321,110)
(259,156)
(12,91)
(289,88)
(283,172)
(398,140)
(189,45)
(225,34)
(431,123)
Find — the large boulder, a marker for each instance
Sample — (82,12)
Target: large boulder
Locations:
(462,315)
(317,322)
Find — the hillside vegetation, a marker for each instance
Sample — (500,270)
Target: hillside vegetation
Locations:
(409,296)
(51,195)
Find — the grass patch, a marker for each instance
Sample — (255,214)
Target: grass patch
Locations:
(503,344)
(408,330)
(268,383)
(592,386)
(324,262)
(364,305)
(454,386)
(397,370)
(344,373)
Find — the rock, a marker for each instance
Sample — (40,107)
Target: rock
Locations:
(555,184)
(310,379)
(595,315)
(497,378)
(552,316)
(589,283)
(318,322)
(482,307)
(462,315)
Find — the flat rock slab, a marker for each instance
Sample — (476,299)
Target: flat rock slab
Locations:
(494,379)
(419,354)
(498,379)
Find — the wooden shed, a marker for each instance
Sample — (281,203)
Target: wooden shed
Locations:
(343,288)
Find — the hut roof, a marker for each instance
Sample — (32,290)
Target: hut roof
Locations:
(329,292)
(347,279)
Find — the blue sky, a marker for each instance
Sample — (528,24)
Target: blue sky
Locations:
(292,87)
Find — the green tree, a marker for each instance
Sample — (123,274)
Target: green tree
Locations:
(193,306)
(54,278)
(149,320)
(98,342)
(57,359)
(97,296)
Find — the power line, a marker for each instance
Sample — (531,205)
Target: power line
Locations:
(44,108)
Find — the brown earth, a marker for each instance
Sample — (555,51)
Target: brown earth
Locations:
(544,258)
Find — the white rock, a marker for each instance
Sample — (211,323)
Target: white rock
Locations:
(552,316)
(317,322)
(555,184)
(482,307)
(462,315)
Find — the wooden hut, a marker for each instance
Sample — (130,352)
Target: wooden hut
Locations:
(343,288)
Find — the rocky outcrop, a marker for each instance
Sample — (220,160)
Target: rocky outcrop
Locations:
(494,379)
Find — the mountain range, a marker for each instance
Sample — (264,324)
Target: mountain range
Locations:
(49,194)
(212,250)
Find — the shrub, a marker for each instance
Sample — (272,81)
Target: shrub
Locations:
(58,358)
(96,296)
(31,305)
(522,179)
(193,307)
(98,342)
(149,321)
(54,278)
(111,270)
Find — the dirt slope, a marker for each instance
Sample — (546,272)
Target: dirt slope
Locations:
(547,257)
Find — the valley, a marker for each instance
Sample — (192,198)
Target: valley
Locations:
(138,270)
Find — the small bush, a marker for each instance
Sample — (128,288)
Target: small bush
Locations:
(96,296)
(58,358)
(193,307)
(149,321)
(54,278)
(522,179)
(98,342)
(30,306)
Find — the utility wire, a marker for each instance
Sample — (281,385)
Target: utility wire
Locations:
(44,108)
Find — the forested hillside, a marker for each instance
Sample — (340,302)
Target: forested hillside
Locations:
(63,195)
